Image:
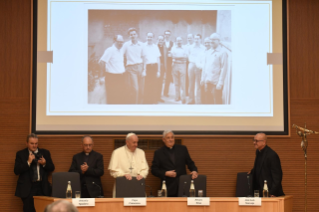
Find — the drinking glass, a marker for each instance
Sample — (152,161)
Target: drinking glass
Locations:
(159,193)
(200,193)
(256,193)
(77,194)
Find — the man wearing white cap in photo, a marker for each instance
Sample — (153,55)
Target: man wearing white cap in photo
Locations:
(214,72)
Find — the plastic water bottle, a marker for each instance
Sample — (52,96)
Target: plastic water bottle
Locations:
(164,189)
(192,192)
(69,190)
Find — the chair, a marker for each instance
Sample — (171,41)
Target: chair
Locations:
(130,188)
(244,187)
(60,182)
(185,182)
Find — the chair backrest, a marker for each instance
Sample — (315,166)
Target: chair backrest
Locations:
(244,186)
(185,182)
(60,182)
(130,188)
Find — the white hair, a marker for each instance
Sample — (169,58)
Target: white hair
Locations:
(166,132)
(215,36)
(128,136)
(61,206)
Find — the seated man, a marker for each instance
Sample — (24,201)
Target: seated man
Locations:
(169,163)
(89,164)
(267,167)
(128,160)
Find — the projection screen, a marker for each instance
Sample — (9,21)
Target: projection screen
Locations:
(195,67)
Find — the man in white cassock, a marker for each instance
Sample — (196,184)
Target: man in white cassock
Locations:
(129,161)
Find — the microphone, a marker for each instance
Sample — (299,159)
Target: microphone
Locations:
(100,189)
(151,193)
(248,186)
(184,192)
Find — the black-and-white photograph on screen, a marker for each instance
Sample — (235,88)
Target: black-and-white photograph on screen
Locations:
(159,57)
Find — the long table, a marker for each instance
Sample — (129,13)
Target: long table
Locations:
(178,204)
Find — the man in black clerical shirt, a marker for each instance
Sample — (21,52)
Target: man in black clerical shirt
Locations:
(33,166)
(89,164)
(169,163)
(267,167)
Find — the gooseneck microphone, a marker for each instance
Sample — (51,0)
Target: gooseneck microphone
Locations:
(151,193)
(100,189)
(184,191)
(248,186)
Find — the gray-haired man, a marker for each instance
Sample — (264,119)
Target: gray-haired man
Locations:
(172,167)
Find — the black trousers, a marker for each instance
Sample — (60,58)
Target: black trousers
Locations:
(114,86)
(28,203)
(151,84)
(84,191)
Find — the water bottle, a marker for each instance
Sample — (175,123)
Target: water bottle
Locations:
(69,190)
(265,189)
(164,189)
(192,192)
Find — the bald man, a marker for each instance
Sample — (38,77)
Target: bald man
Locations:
(267,167)
(89,164)
(113,63)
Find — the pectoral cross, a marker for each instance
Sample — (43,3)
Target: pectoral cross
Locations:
(131,168)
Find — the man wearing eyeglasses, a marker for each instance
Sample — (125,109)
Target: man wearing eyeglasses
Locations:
(89,164)
(266,167)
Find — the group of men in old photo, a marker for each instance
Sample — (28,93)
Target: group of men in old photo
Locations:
(141,73)
(33,165)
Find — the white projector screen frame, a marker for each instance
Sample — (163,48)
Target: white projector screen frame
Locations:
(254,100)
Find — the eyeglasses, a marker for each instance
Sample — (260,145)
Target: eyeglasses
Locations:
(255,140)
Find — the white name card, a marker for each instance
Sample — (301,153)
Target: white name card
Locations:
(249,201)
(83,202)
(198,201)
(141,201)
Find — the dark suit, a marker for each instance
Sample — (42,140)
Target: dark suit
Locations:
(167,65)
(26,189)
(270,170)
(93,174)
(163,162)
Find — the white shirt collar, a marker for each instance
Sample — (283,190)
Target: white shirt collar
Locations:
(36,151)
(138,43)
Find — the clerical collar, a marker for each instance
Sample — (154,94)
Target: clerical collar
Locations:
(170,148)
(87,154)
(263,150)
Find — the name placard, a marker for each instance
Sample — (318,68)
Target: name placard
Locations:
(198,201)
(249,201)
(141,201)
(83,202)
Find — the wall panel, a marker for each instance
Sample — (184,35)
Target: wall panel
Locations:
(219,158)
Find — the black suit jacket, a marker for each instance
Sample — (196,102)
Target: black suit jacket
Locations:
(25,173)
(162,162)
(270,171)
(165,60)
(94,172)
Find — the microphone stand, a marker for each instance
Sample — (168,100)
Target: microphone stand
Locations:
(151,193)
(248,187)
(184,192)
(99,190)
